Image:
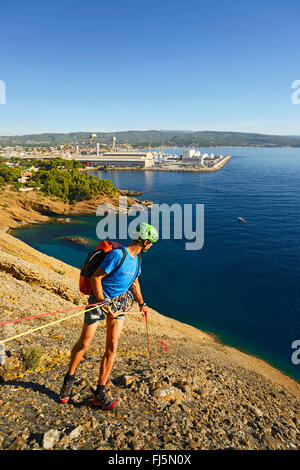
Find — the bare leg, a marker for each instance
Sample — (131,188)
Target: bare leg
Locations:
(113,332)
(87,334)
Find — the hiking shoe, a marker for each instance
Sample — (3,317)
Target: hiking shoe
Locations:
(103,402)
(66,389)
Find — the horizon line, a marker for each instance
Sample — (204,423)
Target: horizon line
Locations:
(147,130)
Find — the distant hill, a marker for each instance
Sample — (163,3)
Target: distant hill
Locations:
(158,138)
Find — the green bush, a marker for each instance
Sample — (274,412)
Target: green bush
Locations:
(60,272)
(9,175)
(32,357)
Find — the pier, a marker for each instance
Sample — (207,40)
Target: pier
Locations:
(179,167)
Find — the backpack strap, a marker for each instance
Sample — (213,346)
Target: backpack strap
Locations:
(138,268)
(139,264)
(121,262)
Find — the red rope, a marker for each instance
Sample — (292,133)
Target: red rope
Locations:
(163,345)
(147,332)
(49,313)
(160,343)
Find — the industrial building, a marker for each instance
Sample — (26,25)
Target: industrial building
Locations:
(188,153)
(119,159)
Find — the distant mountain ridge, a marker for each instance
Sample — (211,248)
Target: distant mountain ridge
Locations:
(158,138)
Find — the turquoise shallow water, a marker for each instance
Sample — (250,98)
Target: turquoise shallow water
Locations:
(243,285)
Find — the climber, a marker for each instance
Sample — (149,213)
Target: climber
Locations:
(115,296)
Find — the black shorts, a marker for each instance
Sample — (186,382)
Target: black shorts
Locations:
(123,302)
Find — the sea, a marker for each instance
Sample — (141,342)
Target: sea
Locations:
(243,285)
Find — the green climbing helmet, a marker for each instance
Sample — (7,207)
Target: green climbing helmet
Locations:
(146,232)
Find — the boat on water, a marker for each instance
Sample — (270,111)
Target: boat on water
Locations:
(241,219)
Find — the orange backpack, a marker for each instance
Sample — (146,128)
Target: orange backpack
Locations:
(93,262)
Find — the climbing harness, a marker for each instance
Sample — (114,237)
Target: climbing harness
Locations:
(122,302)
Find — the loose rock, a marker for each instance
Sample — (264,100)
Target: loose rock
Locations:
(50,438)
(167,393)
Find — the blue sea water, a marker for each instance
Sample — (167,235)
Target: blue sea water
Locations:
(243,285)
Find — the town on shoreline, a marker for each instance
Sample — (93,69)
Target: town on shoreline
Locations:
(116,157)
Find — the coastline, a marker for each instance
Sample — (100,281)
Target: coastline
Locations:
(264,365)
(18,209)
(12,245)
(34,216)
(210,395)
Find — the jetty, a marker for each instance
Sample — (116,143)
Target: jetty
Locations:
(177,166)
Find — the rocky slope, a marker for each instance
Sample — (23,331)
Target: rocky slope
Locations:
(194,392)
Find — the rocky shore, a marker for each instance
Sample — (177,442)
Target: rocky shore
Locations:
(193,393)
(76,240)
(22,208)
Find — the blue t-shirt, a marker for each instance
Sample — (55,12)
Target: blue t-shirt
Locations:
(120,281)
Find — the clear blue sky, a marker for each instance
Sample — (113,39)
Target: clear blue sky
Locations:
(92,65)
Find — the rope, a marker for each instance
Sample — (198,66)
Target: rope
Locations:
(163,345)
(54,323)
(83,309)
(43,326)
(45,314)
(147,333)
